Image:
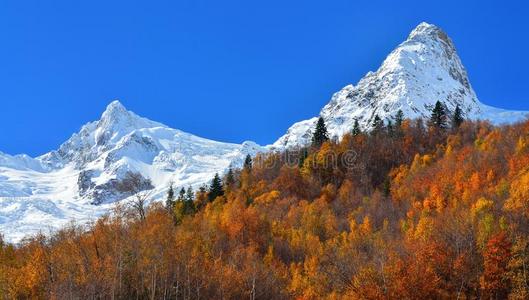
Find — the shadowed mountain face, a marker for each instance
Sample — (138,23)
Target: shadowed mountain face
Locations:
(423,69)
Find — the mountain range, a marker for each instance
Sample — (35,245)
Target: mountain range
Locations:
(79,180)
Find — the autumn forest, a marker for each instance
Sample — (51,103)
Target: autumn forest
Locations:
(433,209)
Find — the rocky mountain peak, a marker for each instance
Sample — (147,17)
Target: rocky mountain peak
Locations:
(437,45)
(422,70)
(114,110)
(117,119)
(429,31)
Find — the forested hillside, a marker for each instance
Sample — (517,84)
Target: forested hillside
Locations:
(410,210)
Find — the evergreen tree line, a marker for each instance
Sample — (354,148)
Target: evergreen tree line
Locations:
(439,120)
(187,202)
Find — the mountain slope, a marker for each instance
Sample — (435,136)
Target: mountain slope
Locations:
(421,70)
(79,180)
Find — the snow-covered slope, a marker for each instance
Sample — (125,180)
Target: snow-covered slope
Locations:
(423,69)
(78,181)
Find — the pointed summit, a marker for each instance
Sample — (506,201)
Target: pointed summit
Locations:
(117,118)
(96,137)
(422,70)
(432,36)
(424,29)
(425,26)
(115,106)
(116,122)
(114,111)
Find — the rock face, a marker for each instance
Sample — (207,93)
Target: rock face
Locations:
(423,69)
(81,179)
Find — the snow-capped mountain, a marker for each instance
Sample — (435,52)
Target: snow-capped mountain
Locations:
(423,69)
(79,180)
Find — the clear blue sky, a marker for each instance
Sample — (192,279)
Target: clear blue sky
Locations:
(227,70)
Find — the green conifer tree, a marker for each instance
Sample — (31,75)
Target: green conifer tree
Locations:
(356,128)
(399,118)
(230,178)
(181,195)
(215,189)
(378,125)
(320,134)
(457,118)
(169,202)
(438,117)
(303,155)
(190,196)
(248,162)
(189,204)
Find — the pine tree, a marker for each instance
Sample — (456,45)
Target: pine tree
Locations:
(303,155)
(169,203)
(230,178)
(320,134)
(181,195)
(399,118)
(378,124)
(248,163)
(438,118)
(189,204)
(215,189)
(356,128)
(457,118)
(185,205)
(190,196)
